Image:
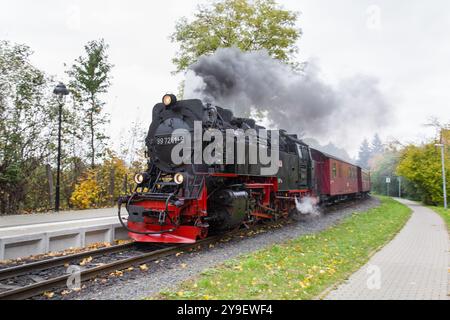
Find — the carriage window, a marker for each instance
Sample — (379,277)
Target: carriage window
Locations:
(334,170)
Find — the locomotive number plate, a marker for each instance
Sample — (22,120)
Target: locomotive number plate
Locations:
(169,140)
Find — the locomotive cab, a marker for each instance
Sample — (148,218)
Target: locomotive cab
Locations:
(296,163)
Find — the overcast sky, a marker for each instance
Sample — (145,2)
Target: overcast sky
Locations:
(405,44)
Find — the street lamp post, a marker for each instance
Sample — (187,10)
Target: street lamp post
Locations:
(60,91)
(444,186)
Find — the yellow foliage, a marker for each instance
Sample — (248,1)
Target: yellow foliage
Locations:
(445,136)
(422,166)
(102,185)
(87,193)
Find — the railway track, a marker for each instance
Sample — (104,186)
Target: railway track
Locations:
(19,282)
(14,271)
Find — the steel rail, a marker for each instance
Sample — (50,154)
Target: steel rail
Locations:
(87,274)
(19,270)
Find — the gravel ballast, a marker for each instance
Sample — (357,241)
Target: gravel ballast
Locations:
(171,271)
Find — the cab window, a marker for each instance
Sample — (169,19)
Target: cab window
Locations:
(305,153)
(300,154)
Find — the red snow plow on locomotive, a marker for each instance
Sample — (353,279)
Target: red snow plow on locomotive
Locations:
(182,201)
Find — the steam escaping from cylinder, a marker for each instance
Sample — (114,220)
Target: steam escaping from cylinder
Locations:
(307,206)
(299,102)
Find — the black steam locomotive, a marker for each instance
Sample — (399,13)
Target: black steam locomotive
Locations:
(180,201)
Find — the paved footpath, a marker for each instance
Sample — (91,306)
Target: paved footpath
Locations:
(413,266)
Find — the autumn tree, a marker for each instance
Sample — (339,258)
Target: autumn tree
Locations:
(26,124)
(377,146)
(422,166)
(364,154)
(102,185)
(248,25)
(90,78)
(41,181)
(132,143)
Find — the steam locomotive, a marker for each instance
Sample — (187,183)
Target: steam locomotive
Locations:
(182,201)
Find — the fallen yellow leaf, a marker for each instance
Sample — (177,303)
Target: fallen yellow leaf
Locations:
(85,261)
(143,267)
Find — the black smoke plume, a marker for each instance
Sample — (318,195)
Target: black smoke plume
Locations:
(298,102)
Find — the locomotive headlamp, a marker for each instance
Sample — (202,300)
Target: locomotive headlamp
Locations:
(178,178)
(169,99)
(139,178)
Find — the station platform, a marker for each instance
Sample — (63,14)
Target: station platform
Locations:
(32,234)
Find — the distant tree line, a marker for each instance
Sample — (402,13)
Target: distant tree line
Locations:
(368,151)
(415,171)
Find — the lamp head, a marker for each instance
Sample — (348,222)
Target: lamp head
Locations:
(60,91)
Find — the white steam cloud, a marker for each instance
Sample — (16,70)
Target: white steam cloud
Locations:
(307,205)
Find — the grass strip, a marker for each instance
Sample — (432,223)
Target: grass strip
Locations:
(300,268)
